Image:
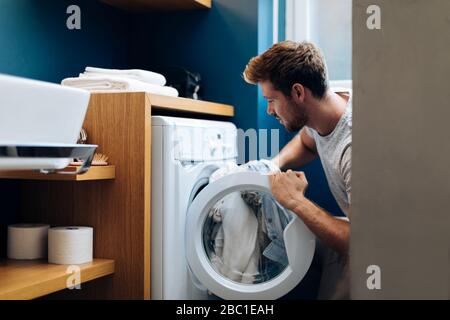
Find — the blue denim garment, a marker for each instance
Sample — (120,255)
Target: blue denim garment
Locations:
(275,216)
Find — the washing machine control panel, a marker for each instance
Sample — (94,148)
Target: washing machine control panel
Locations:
(204,144)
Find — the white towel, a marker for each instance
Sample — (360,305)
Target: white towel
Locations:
(136,74)
(111,83)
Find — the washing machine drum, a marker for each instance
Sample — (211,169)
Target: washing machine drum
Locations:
(241,244)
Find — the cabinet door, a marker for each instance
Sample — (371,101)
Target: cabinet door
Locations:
(401,150)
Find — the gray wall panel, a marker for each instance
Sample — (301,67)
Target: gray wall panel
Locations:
(401,149)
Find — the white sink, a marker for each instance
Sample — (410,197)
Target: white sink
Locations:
(36,113)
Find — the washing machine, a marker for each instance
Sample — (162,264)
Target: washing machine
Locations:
(185,153)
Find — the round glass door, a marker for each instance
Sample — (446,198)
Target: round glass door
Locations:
(241,244)
(243,237)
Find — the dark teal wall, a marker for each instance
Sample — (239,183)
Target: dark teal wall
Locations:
(217,43)
(35,42)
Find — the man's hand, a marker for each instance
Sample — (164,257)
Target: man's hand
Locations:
(288,188)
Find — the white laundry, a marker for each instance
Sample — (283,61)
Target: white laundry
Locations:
(242,242)
(234,168)
(224,171)
(237,251)
(136,74)
(114,83)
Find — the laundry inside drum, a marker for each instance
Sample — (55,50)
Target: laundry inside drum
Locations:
(243,237)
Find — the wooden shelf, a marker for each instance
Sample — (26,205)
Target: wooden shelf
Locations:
(189,105)
(160,5)
(33,279)
(159,102)
(120,212)
(94,173)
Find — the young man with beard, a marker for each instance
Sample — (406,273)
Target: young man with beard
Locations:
(293,79)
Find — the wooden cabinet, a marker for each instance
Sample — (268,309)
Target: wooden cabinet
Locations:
(118,209)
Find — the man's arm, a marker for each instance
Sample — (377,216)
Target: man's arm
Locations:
(289,190)
(333,231)
(298,152)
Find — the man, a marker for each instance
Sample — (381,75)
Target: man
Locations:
(294,81)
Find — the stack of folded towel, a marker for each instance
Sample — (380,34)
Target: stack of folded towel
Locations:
(100,80)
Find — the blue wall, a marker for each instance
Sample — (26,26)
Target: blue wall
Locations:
(217,43)
(35,42)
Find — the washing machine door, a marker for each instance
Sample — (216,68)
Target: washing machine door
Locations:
(231,240)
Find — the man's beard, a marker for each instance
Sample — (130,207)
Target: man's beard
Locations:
(298,123)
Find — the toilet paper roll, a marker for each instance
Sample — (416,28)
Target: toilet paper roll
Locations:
(27,241)
(70,245)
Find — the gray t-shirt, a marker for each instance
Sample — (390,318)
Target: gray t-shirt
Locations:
(335,151)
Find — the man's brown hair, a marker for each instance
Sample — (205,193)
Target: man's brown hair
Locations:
(287,63)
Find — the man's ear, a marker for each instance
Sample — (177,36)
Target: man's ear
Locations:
(298,92)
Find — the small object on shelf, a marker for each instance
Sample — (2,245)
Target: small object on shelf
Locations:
(27,241)
(98,160)
(70,245)
(188,83)
(82,138)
